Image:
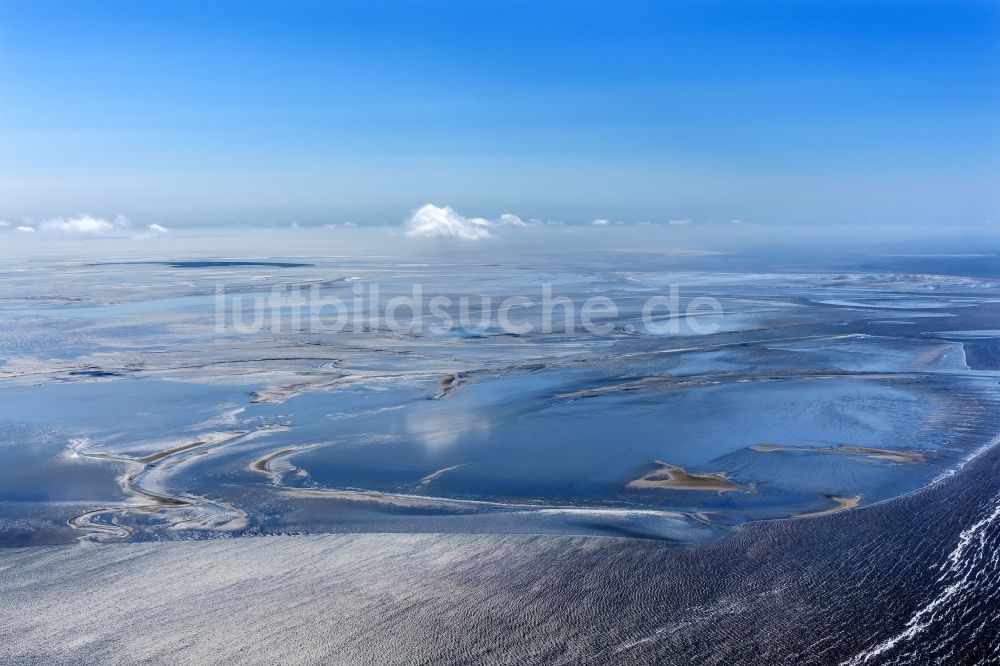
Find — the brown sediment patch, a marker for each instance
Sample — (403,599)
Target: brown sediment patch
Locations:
(191,512)
(449,383)
(620,387)
(473,506)
(84,523)
(260,465)
(263,465)
(208,438)
(681,382)
(903,456)
(279,394)
(840,504)
(672,477)
(406,501)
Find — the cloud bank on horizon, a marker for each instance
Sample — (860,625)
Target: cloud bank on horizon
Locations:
(427,222)
(90,226)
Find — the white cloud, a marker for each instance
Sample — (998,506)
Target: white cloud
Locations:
(512,220)
(675,222)
(600,223)
(4,223)
(742,223)
(91,226)
(432,221)
(335,225)
(84,225)
(154,231)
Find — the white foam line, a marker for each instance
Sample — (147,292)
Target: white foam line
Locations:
(948,473)
(924,616)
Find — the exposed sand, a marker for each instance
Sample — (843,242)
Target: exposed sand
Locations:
(840,504)
(868,452)
(672,477)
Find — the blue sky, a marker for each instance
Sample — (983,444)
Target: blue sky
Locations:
(805,113)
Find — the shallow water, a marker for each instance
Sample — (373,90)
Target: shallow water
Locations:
(128,413)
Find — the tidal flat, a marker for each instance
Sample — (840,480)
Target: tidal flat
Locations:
(150,412)
(824,458)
